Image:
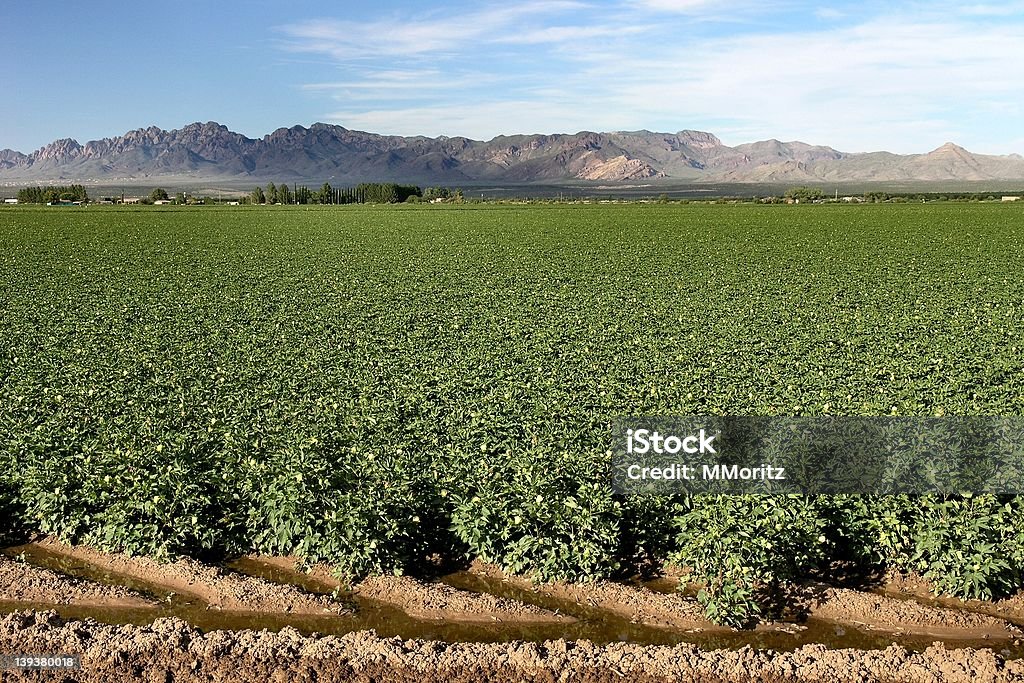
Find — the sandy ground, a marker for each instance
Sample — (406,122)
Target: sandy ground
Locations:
(639,605)
(905,616)
(21,582)
(218,588)
(237,592)
(919,587)
(170,650)
(438,601)
(844,606)
(429,600)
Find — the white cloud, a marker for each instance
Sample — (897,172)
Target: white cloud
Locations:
(684,6)
(885,83)
(988,10)
(828,13)
(723,11)
(904,81)
(395,78)
(405,36)
(563,34)
(477,120)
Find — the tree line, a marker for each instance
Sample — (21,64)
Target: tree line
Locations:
(52,193)
(364,193)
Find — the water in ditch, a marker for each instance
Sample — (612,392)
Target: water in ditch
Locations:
(594,624)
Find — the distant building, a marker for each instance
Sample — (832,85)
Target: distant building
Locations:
(160,202)
(131,200)
(1011,198)
(10,201)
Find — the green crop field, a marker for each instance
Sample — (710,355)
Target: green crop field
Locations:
(372,386)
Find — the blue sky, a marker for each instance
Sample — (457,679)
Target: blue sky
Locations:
(858,76)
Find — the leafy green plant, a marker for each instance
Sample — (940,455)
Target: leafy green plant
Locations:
(969,547)
(370,386)
(532,517)
(740,546)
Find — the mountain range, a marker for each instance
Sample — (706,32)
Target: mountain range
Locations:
(339,155)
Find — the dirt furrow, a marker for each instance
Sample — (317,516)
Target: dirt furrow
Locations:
(220,589)
(916,586)
(639,605)
(906,616)
(22,582)
(429,600)
(170,649)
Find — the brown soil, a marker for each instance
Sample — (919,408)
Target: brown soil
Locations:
(1011,608)
(218,588)
(170,650)
(673,571)
(438,601)
(919,587)
(427,600)
(639,605)
(21,582)
(908,584)
(905,616)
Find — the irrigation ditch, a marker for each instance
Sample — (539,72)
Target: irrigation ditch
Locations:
(161,620)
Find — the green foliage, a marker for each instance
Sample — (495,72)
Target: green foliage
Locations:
(804,194)
(11,509)
(326,194)
(741,544)
(158,194)
(386,193)
(971,547)
(538,514)
(648,536)
(368,387)
(364,515)
(888,525)
(48,194)
(432,193)
(284,194)
(729,598)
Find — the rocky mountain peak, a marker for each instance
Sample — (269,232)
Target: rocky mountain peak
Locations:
(63,149)
(341,155)
(699,139)
(949,148)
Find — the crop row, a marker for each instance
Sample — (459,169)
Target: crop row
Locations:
(374,387)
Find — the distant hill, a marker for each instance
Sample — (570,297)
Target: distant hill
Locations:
(326,152)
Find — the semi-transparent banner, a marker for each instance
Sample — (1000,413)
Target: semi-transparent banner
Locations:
(810,455)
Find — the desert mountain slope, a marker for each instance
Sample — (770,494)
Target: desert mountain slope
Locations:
(339,155)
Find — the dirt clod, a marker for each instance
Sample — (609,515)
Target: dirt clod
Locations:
(171,650)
